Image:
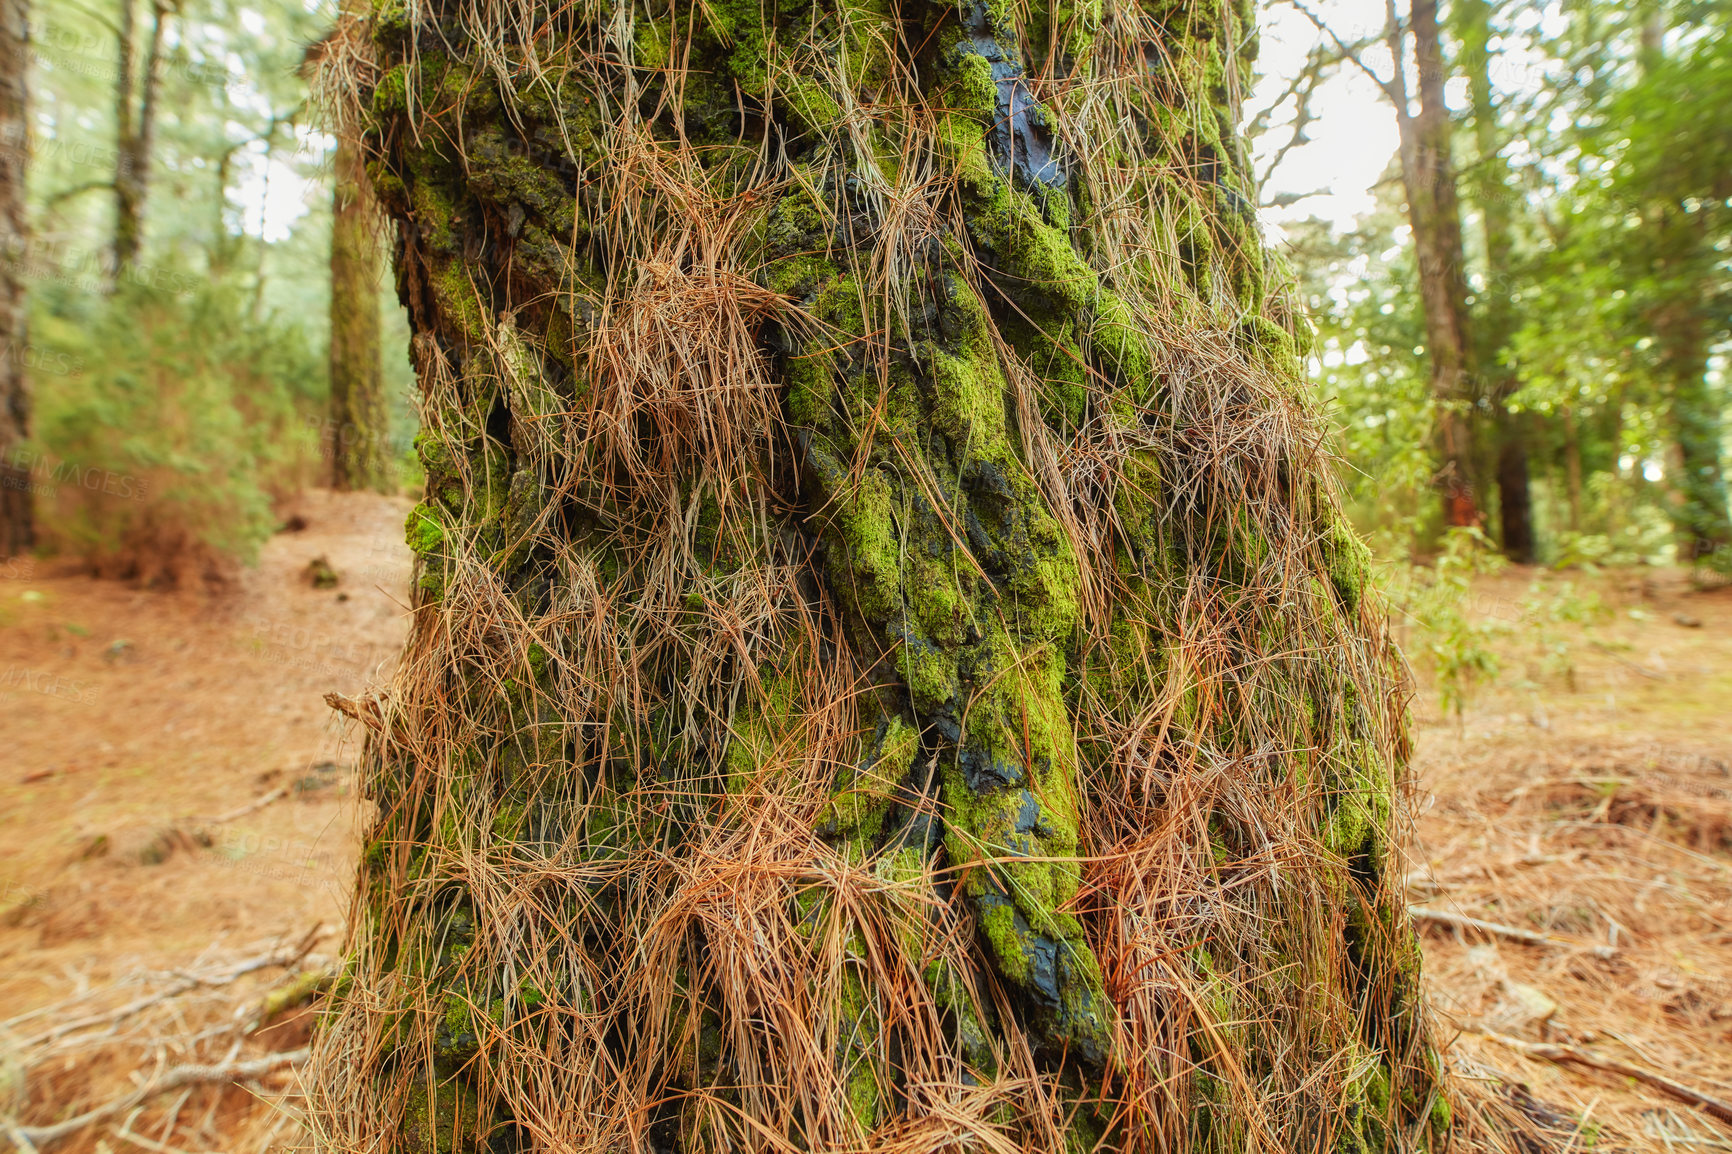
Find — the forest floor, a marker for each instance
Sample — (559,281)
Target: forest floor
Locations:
(178,831)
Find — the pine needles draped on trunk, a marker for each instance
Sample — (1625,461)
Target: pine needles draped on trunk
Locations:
(888,669)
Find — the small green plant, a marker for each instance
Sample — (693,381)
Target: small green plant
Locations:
(1557,616)
(1453,640)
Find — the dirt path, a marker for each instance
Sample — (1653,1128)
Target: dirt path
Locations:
(132,723)
(1586,796)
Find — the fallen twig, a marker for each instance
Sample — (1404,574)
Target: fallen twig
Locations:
(125,1133)
(251,807)
(187,983)
(31,1137)
(1553,1052)
(1497,929)
(297,991)
(1622,660)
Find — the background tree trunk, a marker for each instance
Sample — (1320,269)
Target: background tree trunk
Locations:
(16,524)
(888,663)
(1434,213)
(1699,507)
(1495,312)
(360,419)
(135,131)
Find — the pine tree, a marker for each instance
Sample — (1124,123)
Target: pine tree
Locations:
(888,668)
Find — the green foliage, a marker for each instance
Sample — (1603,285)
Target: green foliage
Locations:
(174,407)
(1466,634)
(1601,320)
(1366,369)
(1555,617)
(1452,639)
(161,458)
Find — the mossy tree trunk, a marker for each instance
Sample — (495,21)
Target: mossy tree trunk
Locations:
(360,418)
(16,522)
(888,667)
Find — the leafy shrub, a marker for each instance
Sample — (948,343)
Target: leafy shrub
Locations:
(167,428)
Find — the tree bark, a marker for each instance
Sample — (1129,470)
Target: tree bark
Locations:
(1495,313)
(1699,500)
(135,132)
(359,416)
(16,519)
(1701,519)
(1434,214)
(888,663)
(1573,467)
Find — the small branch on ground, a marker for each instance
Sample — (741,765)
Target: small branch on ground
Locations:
(1625,661)
(31,1138)
(1565,1055)
(251,807)
(1496,929)
(361,708)
(187,983)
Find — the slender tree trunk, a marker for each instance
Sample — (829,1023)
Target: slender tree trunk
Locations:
(1701,520)
(1495,313)
(359,417)
(16,524)
(888,664)
(1515,505)
(1573,467)
(1433,212)
(135,136)
(1699,499)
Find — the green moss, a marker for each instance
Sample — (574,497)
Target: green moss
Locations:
(867,524)
(651,40)
(1120,348)
(812,107)
(442,1119)
(1359,816)
(973,92)
(998,926)
(390,94)
(459,302)
(838,303)
(864,793)
(508,821)
(859,1028)
(501,171)
(760,727)
(1348,563)
(422,530)
(1441,1117)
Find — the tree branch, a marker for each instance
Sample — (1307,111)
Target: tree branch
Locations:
(78,190)
(1348,52)
(1564,1055)
(29,1138)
